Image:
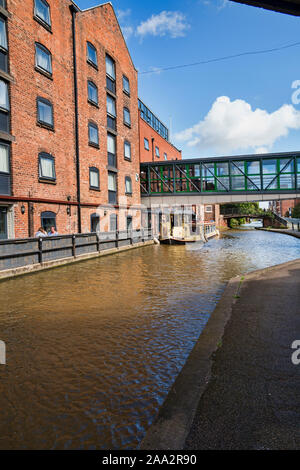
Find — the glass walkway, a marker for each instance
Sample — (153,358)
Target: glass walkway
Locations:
(257,174)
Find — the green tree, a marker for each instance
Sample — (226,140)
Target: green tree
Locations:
(296,211)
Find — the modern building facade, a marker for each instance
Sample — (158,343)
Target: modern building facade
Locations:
(154,138)
(69,134)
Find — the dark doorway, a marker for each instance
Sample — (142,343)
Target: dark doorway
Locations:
(3,223)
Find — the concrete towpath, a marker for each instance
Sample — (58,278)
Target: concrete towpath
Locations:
(252,400)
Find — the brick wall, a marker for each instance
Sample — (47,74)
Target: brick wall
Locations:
(146,131)
(100,27)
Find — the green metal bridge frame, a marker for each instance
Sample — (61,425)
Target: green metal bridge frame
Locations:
(277,173)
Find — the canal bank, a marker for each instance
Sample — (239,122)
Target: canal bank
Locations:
(239,387)
(292,233)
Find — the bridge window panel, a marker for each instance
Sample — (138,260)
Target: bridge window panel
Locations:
(168,185)
(208,184)
(269,167)
(253,168)
(287,181)
(286,165)
(238,183)
(195,171)
(182,184)
(208,170)
(270,182)
(223,183)
(144,181)
(298,165)
(253,183)
(237,168)
(222,169)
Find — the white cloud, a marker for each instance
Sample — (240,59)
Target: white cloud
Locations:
(233,125)
(127,32)
(122,14)
(171,23)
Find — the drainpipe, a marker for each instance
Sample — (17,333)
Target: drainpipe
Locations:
(152,140)
(74,10)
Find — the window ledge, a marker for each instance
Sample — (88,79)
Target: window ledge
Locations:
(128,194)
(42,23)
(47,181)
(127,159)
(96,146)
(44,72)
(127,125)
(4,12)
(111,93)
(7,136)
(95,189)
(126,93)
(112,168)
(93,103)
(45,126)
(7,76)
(92,64)
(112,131)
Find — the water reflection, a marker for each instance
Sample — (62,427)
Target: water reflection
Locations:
(93,348)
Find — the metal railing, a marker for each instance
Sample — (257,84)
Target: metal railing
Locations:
(23,252)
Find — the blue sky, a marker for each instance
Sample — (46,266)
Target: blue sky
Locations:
(242,105)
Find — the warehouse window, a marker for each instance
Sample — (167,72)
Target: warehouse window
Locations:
(45,112)
(4,158)
(126,85)
(111,150)
(4,107)
(157,151)
(94,178)
(95,223)
(46,167)
(111,112)
(92,55)
(110,74)
(93,135)
(128,185)
(92,93)
(112,188)
(48,220)
(43,58)
(42,11)
(146,143)
(127,119)
(3,46)
(127,150)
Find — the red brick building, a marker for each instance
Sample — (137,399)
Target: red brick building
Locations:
(154,138)
(69,137)
(284,208)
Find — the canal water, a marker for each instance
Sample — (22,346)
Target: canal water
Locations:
(93,348)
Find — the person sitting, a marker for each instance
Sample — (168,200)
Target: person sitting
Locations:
(52,232)
(41,233)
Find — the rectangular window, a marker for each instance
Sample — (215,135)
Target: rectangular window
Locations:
(42,11)
(127,119)
(45,112)
(127,150)
(110,74)
(113,223)
(146,144)
(43,58)
(126,85)
(157,151)
(46,167)
(93,134)
(94,178)
(129,222)
(92,93)
(112,188)
(208,209)
(111,150)
(4,159)
(128,185)
(3,34)
(165,156)
(111,105)
(111,112)
(92,54)
(4,99)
